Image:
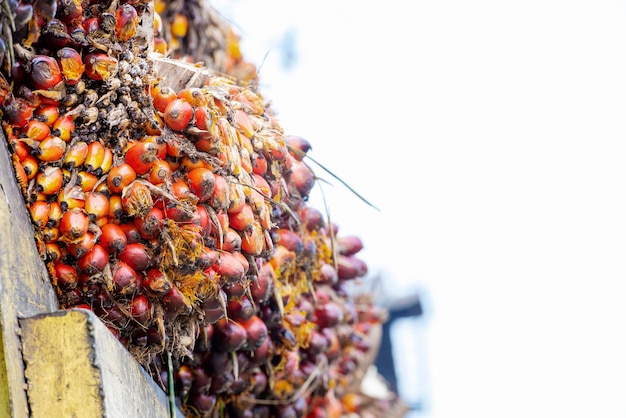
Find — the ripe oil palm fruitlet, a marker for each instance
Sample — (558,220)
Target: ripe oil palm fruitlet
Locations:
(179,216)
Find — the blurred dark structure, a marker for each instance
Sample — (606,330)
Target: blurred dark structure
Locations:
(411,307)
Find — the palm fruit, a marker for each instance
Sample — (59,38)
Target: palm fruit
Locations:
(181,217)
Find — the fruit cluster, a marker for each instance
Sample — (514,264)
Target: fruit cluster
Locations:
(180,218)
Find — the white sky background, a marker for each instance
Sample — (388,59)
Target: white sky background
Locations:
(492,136)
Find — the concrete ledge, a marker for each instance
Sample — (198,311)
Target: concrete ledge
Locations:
(75,367)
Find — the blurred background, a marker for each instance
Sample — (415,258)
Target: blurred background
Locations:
(489,138)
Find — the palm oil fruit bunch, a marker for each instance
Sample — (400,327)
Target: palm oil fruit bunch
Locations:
(289,342)
(193,31)
(180,217)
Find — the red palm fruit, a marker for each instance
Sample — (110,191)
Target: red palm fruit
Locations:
(217,362)
(37,130)
(349,245)
(50,234)
(203,220)
(91,24)
(301,179)
(206,144)
(318,343)
(202,183)
(327,275)
(231,241)
(136,255)
(253,240)
(228,335)
(160,172)
(263,287)
(47,114)
(107,163)
(175,303)
(53,252)
(75,155)
(136,199)
(116,210)
(44,72)
(125,279)
(66,276)
(234,290)
(183,379)
(178,214)
(132,233)
(181,190)
(193,95)
(71,64)
(259,163)
(207,258)
(94,156)
(312,218)
(100,66)
(243,260)
(162,96)
(71,198)
(177,115)
(82,246)
(31,166)
(55,213)
(350,267)
(263,353)
(288,239)
(150,225)
(256,332)
(159,143)
(244,123)
(242,220)
(156,282)
(120,176)
(236,197)
(204,119)
(174,150)
(140,309)
(230,268)
(113,238)
(51,149)
(53,33)
(39,212)
(19,148)
(18,112)
(203,402)
(219,198)
(328,315)
(96,205)
(126,23)
(69,11)
(140,156)
(240,309)
(262,185)
(297,146)
(94,261)
(63,127)
(213,314)
(74,224)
